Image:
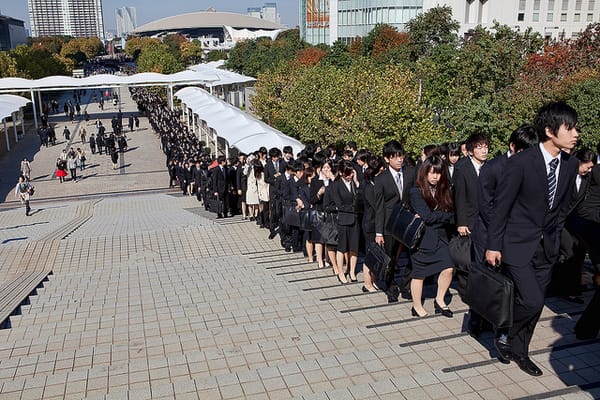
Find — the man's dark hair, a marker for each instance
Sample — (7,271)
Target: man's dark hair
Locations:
(476,139)
(288,149)
(393,148)
(221,159)
(352,145)
(523,137)
(274,152)
(552,116)
(453,149)
(362,155)
(432,150)
(585,155)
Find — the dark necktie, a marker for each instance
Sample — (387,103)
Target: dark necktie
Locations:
(552,182)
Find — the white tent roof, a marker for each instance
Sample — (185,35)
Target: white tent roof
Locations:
(10,103)
(208,75)
(241,130)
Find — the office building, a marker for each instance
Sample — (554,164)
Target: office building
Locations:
(126,21)
(325,21)
(77,18)
(12,33)
(268,12)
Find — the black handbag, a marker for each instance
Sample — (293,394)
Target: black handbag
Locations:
(378,261)
(328,230)
(405,226)
(306,219)
(490,294)
(291,216)
(460,251)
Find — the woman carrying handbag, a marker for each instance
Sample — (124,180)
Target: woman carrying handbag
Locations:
(431,199)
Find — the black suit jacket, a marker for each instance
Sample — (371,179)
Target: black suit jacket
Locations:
(344,201)
(387,196)
(271,178)
(465,194)
(487,185)
(436,222)
(522,217)
(368,219)
(589,207)
(219,180)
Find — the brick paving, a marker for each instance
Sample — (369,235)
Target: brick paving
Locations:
(151,297)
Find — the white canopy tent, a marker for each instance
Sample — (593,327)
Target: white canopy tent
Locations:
(9,107)
(208,75)
(239,129)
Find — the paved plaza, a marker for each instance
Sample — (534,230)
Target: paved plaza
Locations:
(151,297)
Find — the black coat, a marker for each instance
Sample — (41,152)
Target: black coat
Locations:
(465,194)
(387,196)
(436,222)
(522,216)
(344,201)
(370,207)
(219,180)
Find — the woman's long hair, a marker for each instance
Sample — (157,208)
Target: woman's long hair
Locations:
(374,165)
(443,194)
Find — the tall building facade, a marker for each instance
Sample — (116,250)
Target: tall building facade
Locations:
(126,20)
(12,33)
(268,12)
(77,18)
(325,21)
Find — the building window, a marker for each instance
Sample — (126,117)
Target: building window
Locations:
(591,5)
(550,5)
(590,17)
(563,17)
(521,17)
(565,5)
(536,5)
(577,5)
(535,17)
(550,17)
(577,17)
(522,5)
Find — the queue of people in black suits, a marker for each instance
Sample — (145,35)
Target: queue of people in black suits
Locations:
(528,210)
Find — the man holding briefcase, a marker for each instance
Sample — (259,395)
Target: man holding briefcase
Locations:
(524,232)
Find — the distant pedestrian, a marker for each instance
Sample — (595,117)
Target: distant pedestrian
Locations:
(93,144)
(61,169)
(23,192)
(130,123)
(81,158)
(72,166)
(67,133)
(26,169)
(114,156)
(86,116)
(82,134)
(137,122)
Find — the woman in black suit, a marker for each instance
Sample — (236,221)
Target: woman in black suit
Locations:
(344,194)
(318,190)
(303,203)
(375,166)
(431,199)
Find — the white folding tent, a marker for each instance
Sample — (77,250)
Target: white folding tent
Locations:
(9,107)
(238,128)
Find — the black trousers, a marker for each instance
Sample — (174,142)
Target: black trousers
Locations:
(398,279)
(530,281)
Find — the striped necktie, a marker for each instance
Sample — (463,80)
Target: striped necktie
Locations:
(552,182)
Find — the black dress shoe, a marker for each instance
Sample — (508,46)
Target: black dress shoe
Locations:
(445,311)
(504,349)
(528,366)
(416,314)
(288,248)
(272,235)
(474,325)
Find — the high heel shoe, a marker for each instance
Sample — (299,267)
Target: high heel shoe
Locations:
(365,290)
(341,281)
(445,311)
(416,314)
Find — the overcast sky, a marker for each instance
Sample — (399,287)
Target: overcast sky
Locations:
(150,10)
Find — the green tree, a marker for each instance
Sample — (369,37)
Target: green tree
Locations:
(338,55)
(8,66)
(157,57)
(432,28)
(584,96)
(191,52)
(36,63)
(216,55)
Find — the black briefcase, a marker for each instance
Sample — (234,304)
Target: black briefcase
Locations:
(377,261)
(291,216)
(405,226)
(490,294)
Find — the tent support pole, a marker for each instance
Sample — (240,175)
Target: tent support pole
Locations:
(14,119)
(41,107)
(35,118)
(6,134)
(170,92)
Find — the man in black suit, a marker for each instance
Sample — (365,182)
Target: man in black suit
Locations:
(490,175)
(465,183)
(524,233)
(566,276)
(392,187)
(219,185)
(274,168)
